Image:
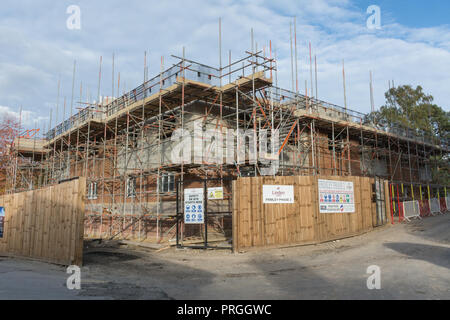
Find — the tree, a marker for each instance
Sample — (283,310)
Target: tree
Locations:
(9,130)
(413,109)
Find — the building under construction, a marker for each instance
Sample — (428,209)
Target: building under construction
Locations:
(124,146)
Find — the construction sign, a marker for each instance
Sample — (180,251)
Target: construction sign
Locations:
(278,194)
(194,206)
(336,196)
(215,193)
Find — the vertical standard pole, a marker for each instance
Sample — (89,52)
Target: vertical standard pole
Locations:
(348,153)
(229,67)
(391,196)
(425,165)
(306,97)
(159,151)
(220,44)
(125,174)
(182,115)
(178,212)
(390,160)
(409,161)
(238,148)
(87,147)
(141,173)
(313,162)
(429,197)
(296,59)
(32,161)
(103,182)
(113,75)
(99,80)
(334,150)
(71,123)
(254,93)
(315,67)
(276,68)
(362,148)
(49,154)
(56,126)
(220,82)
(446,202)
(292,58)
(115,163)
(399,205)
(205,199)
(345,93)
(78,133)
(118,84)
(17,151)
(372,103)
(400,160)
(62,141)
(318,150)
(310,71)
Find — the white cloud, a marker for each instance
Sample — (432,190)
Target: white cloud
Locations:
(38,48)
(28,119)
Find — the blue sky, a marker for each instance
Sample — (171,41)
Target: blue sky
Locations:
(412,13)
(412,46)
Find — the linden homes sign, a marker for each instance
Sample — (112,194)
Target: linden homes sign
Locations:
(278,194)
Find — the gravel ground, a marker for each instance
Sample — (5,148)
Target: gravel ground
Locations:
(414,259)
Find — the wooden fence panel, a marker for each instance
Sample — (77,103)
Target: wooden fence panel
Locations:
(46,224)
(387,202)
(257,224)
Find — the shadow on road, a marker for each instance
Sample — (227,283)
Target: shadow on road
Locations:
(132,275)
(431,228)
(291,280)
(437,255)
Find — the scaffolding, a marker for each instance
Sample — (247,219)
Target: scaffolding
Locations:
(121,146)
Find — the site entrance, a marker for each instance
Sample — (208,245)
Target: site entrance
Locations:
(379,197)
(204,214)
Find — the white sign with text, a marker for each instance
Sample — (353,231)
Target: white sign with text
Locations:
(193,206)
(336,196)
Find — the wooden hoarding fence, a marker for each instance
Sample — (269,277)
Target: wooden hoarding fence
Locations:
(46,224)
(258,224)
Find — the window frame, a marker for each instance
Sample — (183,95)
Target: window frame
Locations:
(131,186)
(167,183)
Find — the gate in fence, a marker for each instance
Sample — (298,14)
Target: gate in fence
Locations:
(380,199)
(204,214)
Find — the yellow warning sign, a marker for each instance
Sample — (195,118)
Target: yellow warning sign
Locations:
(215,193)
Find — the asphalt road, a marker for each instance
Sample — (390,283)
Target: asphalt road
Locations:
(414,260)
